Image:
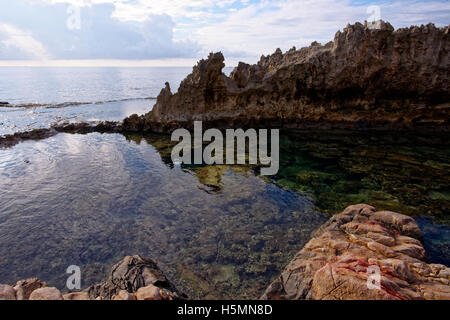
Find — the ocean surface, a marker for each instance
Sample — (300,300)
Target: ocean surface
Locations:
(216,231)
(40,97)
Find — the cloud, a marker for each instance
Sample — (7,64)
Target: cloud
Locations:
(149,29)
(266,25)
(14,40)
(88,32)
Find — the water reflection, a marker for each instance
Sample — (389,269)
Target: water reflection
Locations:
(218,231)
(91,199)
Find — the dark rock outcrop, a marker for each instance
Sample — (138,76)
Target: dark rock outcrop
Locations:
(11,140)
(132,274)
(365,78)
(336,262)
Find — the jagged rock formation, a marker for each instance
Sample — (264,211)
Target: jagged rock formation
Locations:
(365,78)
(131,275)
(335,262)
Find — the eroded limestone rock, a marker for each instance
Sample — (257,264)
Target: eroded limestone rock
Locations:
(335,263)
(366,77)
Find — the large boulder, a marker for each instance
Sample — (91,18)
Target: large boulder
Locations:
(363,253)
(46,293)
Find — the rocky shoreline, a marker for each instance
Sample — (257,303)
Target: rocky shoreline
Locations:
(382,79)
(365,79)
(333,265)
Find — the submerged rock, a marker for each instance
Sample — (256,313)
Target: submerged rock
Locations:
(366,78)
(338,262)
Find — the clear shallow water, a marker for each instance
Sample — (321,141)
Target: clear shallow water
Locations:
(90,200)
(217,231)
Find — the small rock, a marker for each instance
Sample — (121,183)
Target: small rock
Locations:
(24,288)
(150,292)
(76,296)
(124,295)
(47,293)
(7,292)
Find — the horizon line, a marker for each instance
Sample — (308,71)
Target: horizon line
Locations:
(179,62)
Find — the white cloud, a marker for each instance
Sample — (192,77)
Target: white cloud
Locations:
(261,28)
(242,29)
(12,38)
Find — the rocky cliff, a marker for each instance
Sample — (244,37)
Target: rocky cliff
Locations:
(337,263)
(365,78)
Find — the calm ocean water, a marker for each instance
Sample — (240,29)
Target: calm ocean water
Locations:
(40,97)
(22,85)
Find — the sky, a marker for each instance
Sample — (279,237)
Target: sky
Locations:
(179,32)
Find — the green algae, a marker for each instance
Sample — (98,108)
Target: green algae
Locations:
(403,172)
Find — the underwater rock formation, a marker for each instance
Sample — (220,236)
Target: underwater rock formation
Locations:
(365,78)
(337,263)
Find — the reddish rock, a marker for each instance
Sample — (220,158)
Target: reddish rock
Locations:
(24,288)
(7,292)
(124,295)
(76,296)
(338,262)
(46,293)
(148,293)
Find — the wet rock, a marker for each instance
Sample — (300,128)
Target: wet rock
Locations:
(7,292)
(24,288)
(338,262)
(131,274)
(46,293)
(366,78)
